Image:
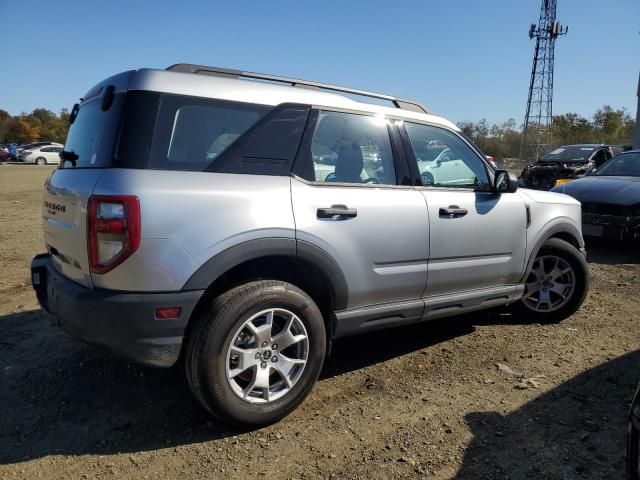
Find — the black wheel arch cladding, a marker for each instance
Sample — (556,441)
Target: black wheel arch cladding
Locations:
(256,249)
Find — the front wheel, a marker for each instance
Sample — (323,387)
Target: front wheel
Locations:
(41,161)
(557,284)
(256,352)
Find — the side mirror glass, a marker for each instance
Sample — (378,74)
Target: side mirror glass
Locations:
(505,182)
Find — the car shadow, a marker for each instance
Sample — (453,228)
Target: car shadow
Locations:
(611,252)
(353,353)
(576,430)
(60,397)
(485,202)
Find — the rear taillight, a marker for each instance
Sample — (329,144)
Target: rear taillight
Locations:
(113,230)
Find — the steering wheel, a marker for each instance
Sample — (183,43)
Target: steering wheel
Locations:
(371,180)
(427,178)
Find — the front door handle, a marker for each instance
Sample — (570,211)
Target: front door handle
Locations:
(453,211)
(337,210)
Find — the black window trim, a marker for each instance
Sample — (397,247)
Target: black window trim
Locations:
(238,145)
(413,164)
(151,128)
(399,159)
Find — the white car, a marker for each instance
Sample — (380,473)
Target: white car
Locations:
(447,169)
(48,154)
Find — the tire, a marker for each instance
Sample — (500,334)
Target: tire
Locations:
(210,362)
(567,304)
(41,161)
(427,178)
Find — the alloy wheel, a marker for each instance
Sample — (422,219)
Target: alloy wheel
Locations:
(267,355)
(550,284)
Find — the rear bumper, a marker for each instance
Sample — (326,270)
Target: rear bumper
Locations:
(121,321)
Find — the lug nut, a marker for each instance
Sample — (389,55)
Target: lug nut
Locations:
(257,356)
(274,359)
(263,364)
(264,344)
(275,346)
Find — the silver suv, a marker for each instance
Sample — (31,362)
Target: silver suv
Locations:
(241,222)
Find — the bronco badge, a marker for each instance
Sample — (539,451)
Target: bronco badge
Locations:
(52,208)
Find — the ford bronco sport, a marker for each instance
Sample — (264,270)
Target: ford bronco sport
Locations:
(242,222)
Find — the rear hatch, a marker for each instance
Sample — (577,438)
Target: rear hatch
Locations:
(88,150)
(64,213)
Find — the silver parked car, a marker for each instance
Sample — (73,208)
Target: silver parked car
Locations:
(42,155)
(243,225)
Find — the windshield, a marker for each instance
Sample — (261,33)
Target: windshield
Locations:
(569,154)
(625,165)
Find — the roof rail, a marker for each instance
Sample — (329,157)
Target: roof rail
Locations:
(226,72)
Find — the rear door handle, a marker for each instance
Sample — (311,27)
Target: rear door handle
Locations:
(337,210)
(453,211)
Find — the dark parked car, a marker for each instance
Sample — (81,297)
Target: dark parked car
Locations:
(610,198)
(633,440)
(4,153)
(566,163)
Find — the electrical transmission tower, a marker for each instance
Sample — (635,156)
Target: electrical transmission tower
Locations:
(536,138)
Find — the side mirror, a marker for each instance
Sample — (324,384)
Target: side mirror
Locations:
(505,182)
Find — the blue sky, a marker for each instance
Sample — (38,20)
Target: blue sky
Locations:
(466,59)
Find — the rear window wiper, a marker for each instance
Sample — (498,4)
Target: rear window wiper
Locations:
(68,156)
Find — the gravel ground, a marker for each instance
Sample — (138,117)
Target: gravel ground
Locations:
(483,396)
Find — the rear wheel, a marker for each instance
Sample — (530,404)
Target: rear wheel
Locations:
(556,285)
(41,161)
(256,352)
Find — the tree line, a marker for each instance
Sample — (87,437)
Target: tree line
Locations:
(607,125)
(39,125)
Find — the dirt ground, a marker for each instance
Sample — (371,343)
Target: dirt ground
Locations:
(427,401)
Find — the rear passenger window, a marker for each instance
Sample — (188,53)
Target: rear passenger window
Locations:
(199,130)
(349,148)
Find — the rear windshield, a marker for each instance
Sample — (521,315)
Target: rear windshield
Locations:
(569,154)
(91,136)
